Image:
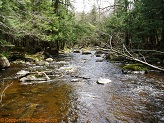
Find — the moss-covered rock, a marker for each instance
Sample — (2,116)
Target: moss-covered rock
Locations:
(35,57)
(13,56)
(4,63)
(86,52)
(134,68)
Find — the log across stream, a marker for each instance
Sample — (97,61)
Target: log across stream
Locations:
(73,95)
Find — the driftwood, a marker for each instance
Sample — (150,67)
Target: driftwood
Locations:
(125,53)
(4,91)
(27,73)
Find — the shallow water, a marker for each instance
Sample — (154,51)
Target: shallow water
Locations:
(128,98)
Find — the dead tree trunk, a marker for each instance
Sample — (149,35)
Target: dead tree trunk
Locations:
(129,56)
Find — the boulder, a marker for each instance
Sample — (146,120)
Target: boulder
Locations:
(100,60)
(29,60)
(99,52)
(22,73)
(61,63)
(86,52)
(103,81)
(75,80)
(125,71)
(98,55)
(4,62)
(134,69)
(32,78)
(49,59)
(42,63)
(13,56)
(25,76)
(76,51)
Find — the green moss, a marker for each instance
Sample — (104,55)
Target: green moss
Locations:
(135,67)
(4,53)
(36,57)
(1,55)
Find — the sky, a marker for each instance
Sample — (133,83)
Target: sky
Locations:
(86,5)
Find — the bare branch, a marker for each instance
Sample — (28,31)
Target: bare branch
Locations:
(4,91)
(130,57)
(111,6)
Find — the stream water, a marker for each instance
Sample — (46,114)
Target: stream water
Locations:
(73,96)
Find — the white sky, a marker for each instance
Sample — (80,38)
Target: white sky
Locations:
(86,5)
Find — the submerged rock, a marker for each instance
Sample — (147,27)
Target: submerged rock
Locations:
(4,62)
(103,81)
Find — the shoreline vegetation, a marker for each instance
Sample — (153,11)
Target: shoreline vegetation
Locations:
(127,65)
(131,31)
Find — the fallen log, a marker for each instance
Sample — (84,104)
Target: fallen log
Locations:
(129,56)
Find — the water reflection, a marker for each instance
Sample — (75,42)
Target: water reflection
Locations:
(128,98)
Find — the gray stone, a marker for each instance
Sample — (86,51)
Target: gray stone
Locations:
(32,78)
(103,81)
(76,51)
(46,63)
(62,62)
(124,71)
(86,52)
(4,62)
(100,60)
(42,63)
(99,52)
(98,55)
(49,59)
(75,80)
(22,73)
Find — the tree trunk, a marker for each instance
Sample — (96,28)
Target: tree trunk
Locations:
(127,42)
(56,3)
(57,45)
(162,19)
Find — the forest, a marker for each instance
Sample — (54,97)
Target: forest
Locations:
(41,25)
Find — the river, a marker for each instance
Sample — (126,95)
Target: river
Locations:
(73,96)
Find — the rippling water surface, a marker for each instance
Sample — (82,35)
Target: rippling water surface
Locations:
(128,98)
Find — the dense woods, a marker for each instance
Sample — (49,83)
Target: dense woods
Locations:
(60,64)
(33,23)
(41,24)
(138,23)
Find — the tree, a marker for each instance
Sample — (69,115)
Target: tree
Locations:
(29,22)
(141,23)
(93,15)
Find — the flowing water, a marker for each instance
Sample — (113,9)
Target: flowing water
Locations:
(73,96)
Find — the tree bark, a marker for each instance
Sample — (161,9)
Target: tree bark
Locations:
(56,3)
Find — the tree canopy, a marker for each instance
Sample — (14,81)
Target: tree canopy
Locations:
(135,23)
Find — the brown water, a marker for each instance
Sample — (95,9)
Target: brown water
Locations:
(127,99)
